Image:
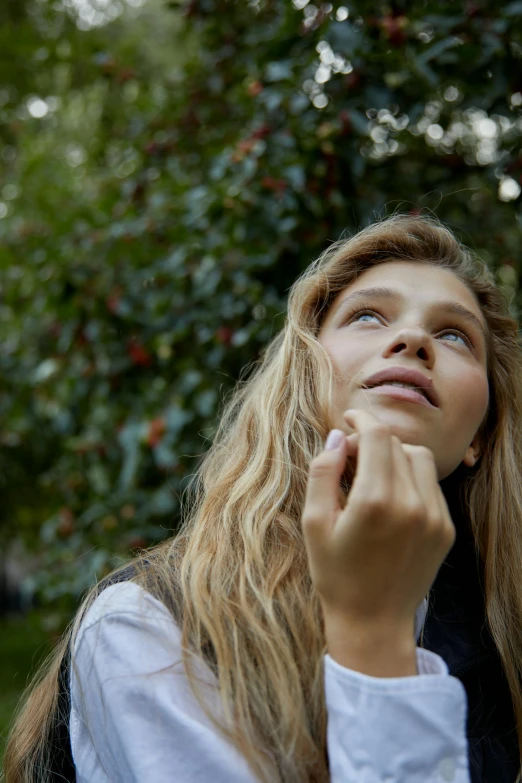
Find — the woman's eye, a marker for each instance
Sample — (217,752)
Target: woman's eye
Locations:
(360,314)
(464,339)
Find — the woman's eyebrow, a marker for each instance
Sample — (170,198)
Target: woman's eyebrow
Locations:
(388,293)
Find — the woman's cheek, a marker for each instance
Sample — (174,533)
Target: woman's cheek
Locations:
(473,392)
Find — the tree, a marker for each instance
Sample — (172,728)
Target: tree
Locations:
(167,176)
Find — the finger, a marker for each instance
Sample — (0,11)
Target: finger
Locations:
(374,472)
(322,491)
(352,443)
(360,419)
(405,481)
(425,474)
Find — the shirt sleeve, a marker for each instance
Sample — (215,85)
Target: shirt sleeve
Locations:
(397,729)
(134,717)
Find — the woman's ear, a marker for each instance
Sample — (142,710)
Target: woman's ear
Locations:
(472,455)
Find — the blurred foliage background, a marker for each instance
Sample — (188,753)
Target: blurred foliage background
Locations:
(167,169)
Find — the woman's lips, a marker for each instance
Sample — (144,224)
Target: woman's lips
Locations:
(401,393)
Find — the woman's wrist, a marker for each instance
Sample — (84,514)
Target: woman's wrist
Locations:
(373,649)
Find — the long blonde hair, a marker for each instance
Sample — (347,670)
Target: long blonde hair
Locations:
(236,577)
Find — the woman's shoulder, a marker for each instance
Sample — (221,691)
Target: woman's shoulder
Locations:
(130,691)
(126,604)
(128,629)
(126,597)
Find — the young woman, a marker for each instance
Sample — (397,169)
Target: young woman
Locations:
(278,636)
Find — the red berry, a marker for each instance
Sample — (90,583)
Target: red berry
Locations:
(157,428)
(224,335)
(138,354)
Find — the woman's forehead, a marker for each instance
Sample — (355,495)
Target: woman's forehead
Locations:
(413,281)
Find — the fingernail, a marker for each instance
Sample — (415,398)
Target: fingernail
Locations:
(334,440)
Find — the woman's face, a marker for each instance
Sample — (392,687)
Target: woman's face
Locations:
(412,315)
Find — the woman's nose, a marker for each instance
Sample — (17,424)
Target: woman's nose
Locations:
(411,341)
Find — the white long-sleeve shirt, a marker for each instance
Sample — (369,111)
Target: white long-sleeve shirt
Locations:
(135,719)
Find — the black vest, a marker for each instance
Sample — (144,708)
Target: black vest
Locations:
(455,628)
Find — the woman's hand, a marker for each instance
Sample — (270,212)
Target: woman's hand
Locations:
(373,561)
